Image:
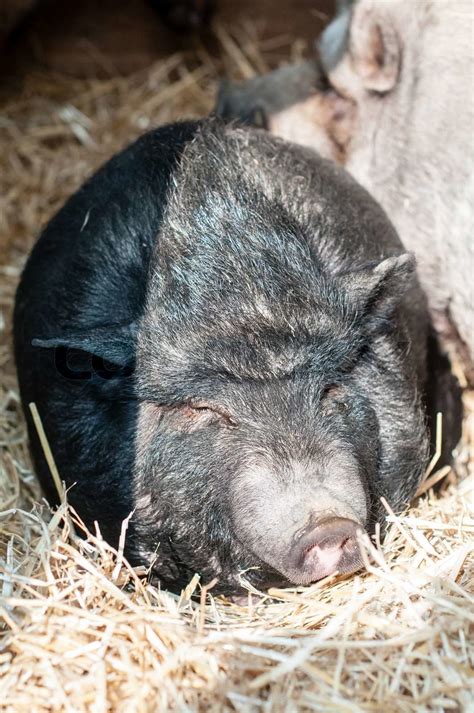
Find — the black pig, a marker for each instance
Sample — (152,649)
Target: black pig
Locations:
(222,334)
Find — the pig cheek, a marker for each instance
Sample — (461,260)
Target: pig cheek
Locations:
(357,427)
(148,419)
(149,416)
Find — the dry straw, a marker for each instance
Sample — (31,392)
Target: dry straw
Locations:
(82,631)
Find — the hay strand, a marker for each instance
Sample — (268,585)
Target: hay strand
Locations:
(48,454)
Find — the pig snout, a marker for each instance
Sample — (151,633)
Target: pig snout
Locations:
(328,548)
(310,531)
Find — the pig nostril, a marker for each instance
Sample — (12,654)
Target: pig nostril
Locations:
(330,547)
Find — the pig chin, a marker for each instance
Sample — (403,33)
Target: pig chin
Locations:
(305,524)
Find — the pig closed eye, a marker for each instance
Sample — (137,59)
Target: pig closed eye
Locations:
(190,417)
(334,394)
(205,410)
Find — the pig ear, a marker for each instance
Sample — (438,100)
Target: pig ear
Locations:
(377,291)
(332,43)
(375,50)
(114,343)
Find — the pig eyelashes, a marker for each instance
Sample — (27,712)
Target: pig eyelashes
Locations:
(190,416)
(205,410)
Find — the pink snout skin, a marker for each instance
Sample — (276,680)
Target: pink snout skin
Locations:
(332,547)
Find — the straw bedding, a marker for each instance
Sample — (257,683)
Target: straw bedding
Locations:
(81,630)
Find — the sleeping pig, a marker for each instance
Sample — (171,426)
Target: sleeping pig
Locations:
(391,98)
(224,337)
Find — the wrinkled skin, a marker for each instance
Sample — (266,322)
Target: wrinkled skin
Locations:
(392,100)
(265,343)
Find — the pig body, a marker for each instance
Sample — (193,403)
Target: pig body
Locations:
(223,336)
(398,112)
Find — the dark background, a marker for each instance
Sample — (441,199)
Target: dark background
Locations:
(109,37)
